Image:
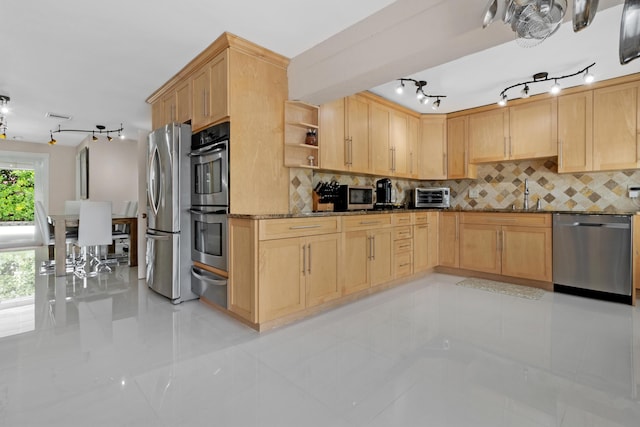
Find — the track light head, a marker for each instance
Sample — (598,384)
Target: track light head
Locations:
(52,141)
(94,137)
(503,100)
(436,104)
(525,91)
(588,77)
(555,89)
(109,138)
(400,88)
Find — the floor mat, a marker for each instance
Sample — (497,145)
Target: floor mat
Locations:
(502,288)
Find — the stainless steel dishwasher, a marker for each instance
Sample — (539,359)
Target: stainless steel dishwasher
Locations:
(592,255)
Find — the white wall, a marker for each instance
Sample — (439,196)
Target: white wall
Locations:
(60,182)
(113,170)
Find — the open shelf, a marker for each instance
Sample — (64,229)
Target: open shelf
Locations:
(299,118)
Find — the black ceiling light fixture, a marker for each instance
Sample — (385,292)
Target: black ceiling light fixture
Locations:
(544,77)
(100,129)
(4,109)
(422,97)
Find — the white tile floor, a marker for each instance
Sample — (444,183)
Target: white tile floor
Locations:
(109,352)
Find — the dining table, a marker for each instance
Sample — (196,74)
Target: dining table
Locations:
(61,222)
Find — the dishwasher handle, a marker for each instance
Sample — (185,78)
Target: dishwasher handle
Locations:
(595,224)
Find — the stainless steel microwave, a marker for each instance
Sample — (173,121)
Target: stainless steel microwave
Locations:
(439,197)
(354,198)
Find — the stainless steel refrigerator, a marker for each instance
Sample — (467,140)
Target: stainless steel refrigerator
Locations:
(168,202)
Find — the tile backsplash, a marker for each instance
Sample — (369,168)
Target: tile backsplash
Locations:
(499,185)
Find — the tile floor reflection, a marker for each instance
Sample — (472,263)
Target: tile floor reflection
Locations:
(107,351)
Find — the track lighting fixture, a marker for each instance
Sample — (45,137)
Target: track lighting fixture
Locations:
(52,141)
(3,135)
(544,77)
(421,96)
(100,129)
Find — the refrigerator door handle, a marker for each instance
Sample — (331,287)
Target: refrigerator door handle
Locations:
(155,182)
(156,237)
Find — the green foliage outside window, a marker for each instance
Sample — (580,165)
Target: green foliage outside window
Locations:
(17,272)
(16,195)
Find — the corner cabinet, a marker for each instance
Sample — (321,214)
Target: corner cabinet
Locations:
(458,166)
(575,132)
(432,150)
(299,119)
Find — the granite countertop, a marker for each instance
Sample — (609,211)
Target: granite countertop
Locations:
(377,212)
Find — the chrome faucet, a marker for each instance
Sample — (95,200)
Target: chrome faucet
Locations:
(526,194)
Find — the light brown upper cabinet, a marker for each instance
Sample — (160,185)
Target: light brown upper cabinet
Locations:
(344,134)
(432,150)
(381,156)
(533,129)
(615,127)
(210,92)
(398,143)
(525,131)
(489,136)
(458,166)
(174,106)
(575,132)
(413,135)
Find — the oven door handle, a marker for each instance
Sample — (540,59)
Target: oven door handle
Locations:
(201,275)
(200,212)
(215,148)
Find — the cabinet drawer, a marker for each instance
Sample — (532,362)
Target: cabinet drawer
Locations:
(401,246)
(401,219)
(403,264)
(421,218)
(520,219)
(365,222)
(297,227)
(402,233)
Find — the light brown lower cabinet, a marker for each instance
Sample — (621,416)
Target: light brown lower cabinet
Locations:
(368,259)
(449,248)
(425,241)
(297,273)
(517,245)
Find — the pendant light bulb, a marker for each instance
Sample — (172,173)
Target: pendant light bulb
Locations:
(4,109)
(419,95)
(52,141)
(503,100)
(94,137)
(424,101)
(3,135)
(109,138)
(400,88)
(588,77)
(436,104)
(555,89)
(525,91)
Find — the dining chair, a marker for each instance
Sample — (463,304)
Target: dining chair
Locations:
(48,239)
(94,231)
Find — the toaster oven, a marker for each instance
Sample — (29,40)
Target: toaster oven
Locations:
(432,197)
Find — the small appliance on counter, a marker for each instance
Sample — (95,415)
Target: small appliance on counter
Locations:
(325,196)
(435,197)
(353,198)
(384,194)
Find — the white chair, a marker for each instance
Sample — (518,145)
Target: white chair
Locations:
(94,230)
(48,239)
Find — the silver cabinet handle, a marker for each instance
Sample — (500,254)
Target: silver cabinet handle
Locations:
(156,237)
(304,227)
(309,267)
(369,222)
(560,165)
(201,275)
(373,240)
(304,260)
(350,151)
(505,147)
(346,151)
(370,248)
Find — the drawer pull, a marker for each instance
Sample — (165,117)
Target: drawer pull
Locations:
(369,222)
(404,247)
(304,227)
(404,265)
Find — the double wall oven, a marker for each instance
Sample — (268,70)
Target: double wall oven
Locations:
(209,209)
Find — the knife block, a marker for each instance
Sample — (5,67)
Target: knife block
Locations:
(320,207)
